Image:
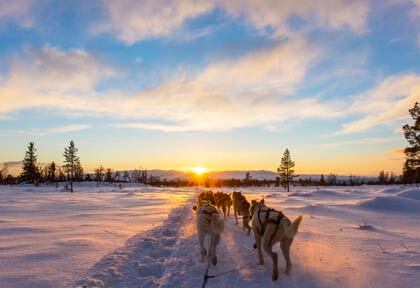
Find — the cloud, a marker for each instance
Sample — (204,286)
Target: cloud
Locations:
(388,102)
(132,21)
(18,11)
(397,152)
(257,89)
(275,14)
(57,130)
(362,141)
(416,8)
(49,77)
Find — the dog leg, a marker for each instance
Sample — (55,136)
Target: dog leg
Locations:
(273,255)
(203,251)
(245,225)
(224,210)
(258,246)
(212,250)
(285,249)
(236,216)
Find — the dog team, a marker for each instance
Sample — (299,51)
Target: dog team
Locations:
(268,225)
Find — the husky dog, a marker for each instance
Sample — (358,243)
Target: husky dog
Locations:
(224,201)
(269,227)
(207,195)
(241,208)
(210,222)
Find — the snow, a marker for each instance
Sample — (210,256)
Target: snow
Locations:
(48,238)
(363,236)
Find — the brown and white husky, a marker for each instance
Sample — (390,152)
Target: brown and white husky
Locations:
(209,222)
(269,227)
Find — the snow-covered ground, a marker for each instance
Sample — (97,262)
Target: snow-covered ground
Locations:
(350,237)
(48,237)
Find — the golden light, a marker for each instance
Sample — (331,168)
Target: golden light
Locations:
(199,170)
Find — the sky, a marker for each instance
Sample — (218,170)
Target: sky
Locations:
(227,85)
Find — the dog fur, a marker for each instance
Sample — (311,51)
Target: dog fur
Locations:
(241,207)
(224,201)
(207,195)
(209,222)
(272,232)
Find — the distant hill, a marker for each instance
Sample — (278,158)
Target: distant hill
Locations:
(14,168)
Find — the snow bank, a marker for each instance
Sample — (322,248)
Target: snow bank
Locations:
(391,203)
(411,194)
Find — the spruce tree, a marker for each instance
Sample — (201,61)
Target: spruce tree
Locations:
(78,171)
(285,170)
(108,176)
(52,168)
(30,171)
(322,180)
(411,171)
(70,162)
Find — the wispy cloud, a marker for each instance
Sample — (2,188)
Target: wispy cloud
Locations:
(133,21)
(257,89)
(388,102)
(19,11)
(49,77)
(56,130)
(361,141)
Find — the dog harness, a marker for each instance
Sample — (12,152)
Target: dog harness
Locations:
(280,216)
(208,213)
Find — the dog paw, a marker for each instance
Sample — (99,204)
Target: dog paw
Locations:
(255,246)
(214,261)
(275,276)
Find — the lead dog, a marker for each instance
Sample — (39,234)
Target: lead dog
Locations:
(209,222)
(241,208)
(271,226)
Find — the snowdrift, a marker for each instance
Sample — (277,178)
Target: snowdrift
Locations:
(391,203)
(411,194)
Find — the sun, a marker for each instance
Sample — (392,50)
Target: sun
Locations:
(199,170)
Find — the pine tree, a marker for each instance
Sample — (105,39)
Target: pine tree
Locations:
(30,171)
(70,162)
(411,171)
(3,174)
(78,171)
(99,175)
(108,176)
(322,180)
(286,171)
(383,177)
(51,172)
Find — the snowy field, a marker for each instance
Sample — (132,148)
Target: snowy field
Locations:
(48,238)
(365,236)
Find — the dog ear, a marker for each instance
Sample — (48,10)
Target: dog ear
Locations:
(253,201)
(262,200)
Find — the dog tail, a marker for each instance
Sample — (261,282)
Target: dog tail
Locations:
(217,224)
(292,230)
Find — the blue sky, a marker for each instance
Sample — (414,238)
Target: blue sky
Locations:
(221,84)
